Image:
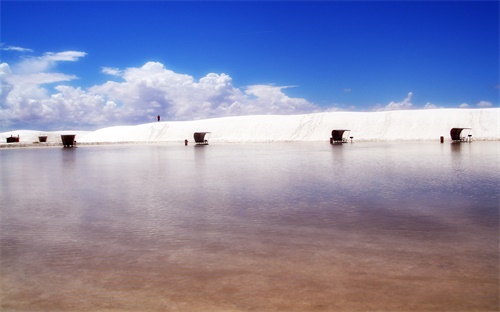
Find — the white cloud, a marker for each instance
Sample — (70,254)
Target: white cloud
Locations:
(4,71)
(484,104)
(17,49)
(152,89)
(429,105)
(464,105)
(68,56)
(39,78)
(46,62)
(112,71)
(272,99)
(140,94)
(334,108)
(34,70)
(404,104)
(5,86)
(23,99)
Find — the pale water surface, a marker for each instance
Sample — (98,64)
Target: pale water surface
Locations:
(251,227)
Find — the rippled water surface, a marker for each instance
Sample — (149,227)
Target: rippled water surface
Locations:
(261,227)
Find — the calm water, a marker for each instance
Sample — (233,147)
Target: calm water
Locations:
(240,227)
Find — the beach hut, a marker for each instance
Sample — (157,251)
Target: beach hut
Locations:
(456,135)
(339,136)
(201,138)
(68,140)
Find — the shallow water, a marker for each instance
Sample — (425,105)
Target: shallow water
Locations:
(241,227)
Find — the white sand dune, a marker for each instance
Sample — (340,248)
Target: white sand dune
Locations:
(364,126)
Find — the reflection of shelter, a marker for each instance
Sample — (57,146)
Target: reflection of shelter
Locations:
(68,140)
(13,139)
(201,138)
(456,135)
(339,136)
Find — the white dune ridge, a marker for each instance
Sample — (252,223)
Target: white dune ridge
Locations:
(407,125)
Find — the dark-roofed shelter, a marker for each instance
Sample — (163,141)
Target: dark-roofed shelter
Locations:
(13,139)
(456,134)
(68,140)
(201,138)
(339,136)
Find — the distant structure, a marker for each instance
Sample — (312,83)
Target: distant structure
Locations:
(201,138)
(339,136)
(13,139)
(456,135)
(158,117)
(68,140)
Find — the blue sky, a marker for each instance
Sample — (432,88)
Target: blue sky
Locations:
(101,63)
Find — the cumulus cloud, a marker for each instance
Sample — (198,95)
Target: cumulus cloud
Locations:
(139,95)
(24,100)
(404,104)
(464,105)
(5,87)
(153,89)
(484,104)
(272,99)
(429,105)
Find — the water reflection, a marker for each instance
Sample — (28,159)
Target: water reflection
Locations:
(303,226)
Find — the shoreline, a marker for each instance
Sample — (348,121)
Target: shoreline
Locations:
(18,145)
